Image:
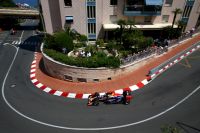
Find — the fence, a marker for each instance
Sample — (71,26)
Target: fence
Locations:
(157,50)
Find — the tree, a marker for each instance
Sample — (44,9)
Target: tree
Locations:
(63,40)
(82,38)
(122,24)
(176,12)
(7,3)
(111,45)
(133,38)
(100,43)
(49,42)
(181,25)
(131,24)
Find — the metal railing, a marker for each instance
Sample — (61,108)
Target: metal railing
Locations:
(150,51)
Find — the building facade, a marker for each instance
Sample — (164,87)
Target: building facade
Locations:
(96,18)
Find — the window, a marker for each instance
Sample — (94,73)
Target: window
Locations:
(187,10)
(69,19)
(147,19)
(91,28)
(68,2)
(169,2)
(91,12)
(113,18)
(165,18)
(113,2)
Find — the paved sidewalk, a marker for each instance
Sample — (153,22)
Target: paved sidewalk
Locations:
(127,79)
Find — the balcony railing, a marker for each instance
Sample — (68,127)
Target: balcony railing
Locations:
(142,10)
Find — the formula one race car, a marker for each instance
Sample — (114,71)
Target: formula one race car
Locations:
(93,100)
(110,98)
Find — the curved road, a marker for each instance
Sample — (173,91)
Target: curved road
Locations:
(152,107)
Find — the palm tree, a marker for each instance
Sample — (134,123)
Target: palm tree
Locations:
(122,24)
(176,11)
(181,24)
(131,24)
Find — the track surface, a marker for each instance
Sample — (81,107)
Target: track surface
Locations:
(158,96)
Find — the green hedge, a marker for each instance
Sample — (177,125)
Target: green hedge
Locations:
(58,41)
(98,60)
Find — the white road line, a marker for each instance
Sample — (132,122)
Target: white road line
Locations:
(58,93)
(145,82)
(16,42)
(32,75)
(87,129)
(32,66)
(34,80)
(20,39)
(71,95)
(134,87)
(47,89)
(39,85)
(33,70)
(34,61)
(120,91)
(85,96)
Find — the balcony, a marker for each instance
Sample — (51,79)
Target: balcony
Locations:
(143,7)
(190,3)
(142,10)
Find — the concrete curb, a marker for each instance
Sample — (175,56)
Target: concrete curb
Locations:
(135,87)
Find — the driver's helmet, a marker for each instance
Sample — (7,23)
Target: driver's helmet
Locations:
(111,94)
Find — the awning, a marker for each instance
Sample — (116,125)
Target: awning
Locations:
(149,26)
(68,19)
(153,2)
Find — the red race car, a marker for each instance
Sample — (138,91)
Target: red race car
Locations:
(110,98)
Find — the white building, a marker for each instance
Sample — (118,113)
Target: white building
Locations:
(96,18)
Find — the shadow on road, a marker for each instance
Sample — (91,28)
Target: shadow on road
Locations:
(31,44)
(187,127)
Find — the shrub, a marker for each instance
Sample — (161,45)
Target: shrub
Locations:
(49,42)
(113,62)
(125,53)
(91,48)
(100,43)
(132,38)
(171,33)
(98,60)
(111,45)
(83,38)
(79,45)
(63,40)
(149,41)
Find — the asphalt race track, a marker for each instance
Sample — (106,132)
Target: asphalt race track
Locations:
(172,97)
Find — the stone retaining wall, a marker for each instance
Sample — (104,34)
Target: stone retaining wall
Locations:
(81,74)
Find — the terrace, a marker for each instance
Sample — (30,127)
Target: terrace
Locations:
(143,8)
